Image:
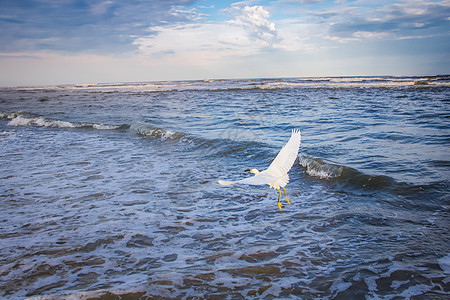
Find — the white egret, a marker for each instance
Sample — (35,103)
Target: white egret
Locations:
(276,175)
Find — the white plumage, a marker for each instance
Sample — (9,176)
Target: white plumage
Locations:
(276,175)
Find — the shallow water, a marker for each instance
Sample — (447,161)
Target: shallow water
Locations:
(112,188)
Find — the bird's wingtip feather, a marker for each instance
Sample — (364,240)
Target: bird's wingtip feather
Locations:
(296,131)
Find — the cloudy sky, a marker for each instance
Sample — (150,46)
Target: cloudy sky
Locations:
(46,42)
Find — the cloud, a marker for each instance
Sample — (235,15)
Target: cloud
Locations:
(199,44)
(396,21)
(101,7)
(89,26)
(114,27)
(113,40)
(254,19)
(249,33)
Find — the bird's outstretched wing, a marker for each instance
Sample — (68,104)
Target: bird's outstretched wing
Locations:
(286,158)
(260,179)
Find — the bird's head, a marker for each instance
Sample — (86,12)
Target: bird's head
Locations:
(254,171)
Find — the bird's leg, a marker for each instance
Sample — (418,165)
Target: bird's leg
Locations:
(279,196)
(286,196)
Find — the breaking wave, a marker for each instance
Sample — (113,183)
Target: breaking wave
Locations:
(350,178)
(142,129)
(155,132)
(41,122)
(314,166)
(414,82)
(19,119)
(320,168)
(324,169)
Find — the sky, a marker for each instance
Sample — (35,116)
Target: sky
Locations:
(50,42)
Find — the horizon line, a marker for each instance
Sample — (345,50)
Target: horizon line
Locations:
(219,79)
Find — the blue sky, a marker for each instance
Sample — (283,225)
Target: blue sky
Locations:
(45,42)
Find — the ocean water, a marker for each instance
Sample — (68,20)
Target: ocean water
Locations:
(111,190)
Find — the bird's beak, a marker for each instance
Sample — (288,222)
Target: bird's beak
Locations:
(248,170)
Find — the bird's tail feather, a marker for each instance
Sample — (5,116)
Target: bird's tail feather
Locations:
(224,182)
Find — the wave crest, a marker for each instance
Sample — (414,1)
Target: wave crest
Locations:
(155,132)
(20,119)
(41,122)
(320,168)
(323,169)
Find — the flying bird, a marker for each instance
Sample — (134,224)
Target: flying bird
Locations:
(276,175)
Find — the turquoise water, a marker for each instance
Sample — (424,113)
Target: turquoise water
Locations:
(112,188)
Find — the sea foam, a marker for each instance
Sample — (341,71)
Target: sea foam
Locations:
(319,168)
(444,263)
(42,122)
(18,119)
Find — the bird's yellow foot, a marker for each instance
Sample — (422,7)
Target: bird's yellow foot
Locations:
(279,196)
(286,196)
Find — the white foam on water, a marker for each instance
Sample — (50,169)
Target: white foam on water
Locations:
(396,283)
(352,82)
(264,84)
(318,173)
(18,119)
(399,267)
(415,290)
(5,115)
(160,133)
(105,127)
(339,286)
(371,283)
(444,263)
(274,290)
(42,122)
(319,168)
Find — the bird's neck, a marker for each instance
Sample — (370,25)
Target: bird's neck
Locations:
(256,172)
